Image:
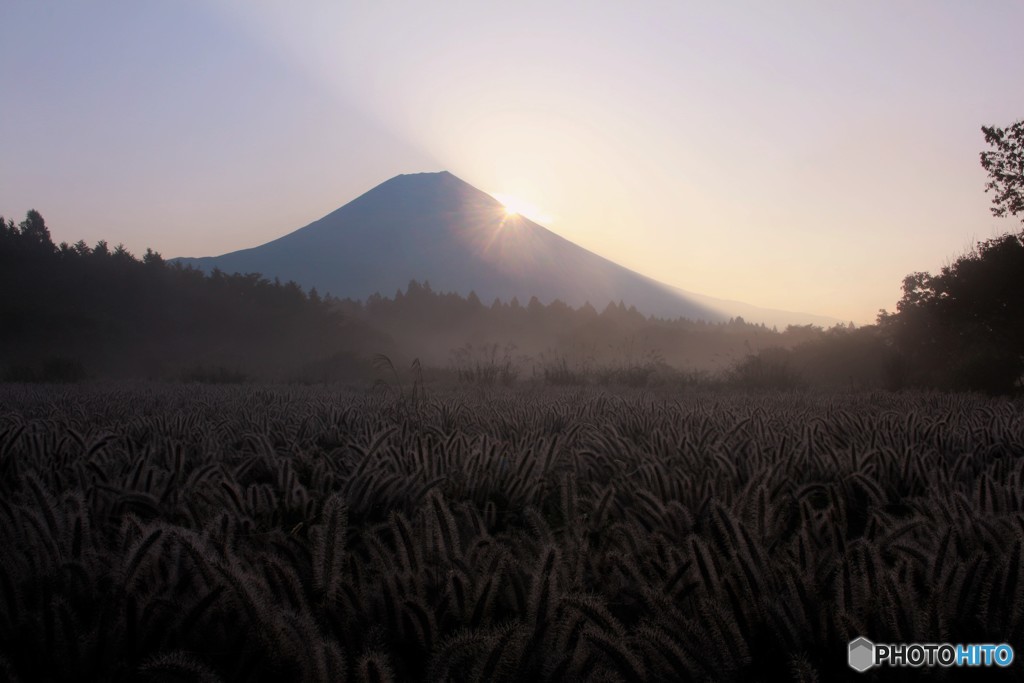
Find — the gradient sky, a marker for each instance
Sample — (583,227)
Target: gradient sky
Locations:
(794,155)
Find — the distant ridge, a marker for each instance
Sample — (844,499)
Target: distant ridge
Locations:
(435,227)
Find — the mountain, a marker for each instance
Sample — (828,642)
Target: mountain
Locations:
(437,228)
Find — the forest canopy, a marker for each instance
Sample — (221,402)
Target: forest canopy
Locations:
(74,311)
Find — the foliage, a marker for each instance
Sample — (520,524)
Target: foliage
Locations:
(392,381)
(631,368)
(964,327)
(423,322)
(126,317)
(250,533)
(485,365)
(840,358)
(1005,167)
(112,314)
(556,369)
(769,369)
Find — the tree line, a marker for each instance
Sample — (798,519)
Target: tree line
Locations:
(70,310)
(961,328)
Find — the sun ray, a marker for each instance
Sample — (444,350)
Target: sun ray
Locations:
(514,206)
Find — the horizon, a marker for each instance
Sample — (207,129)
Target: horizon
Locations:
(804,159)
(465,240)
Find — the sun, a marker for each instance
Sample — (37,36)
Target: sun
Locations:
(514,206)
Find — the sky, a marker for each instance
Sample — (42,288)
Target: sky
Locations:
(801,155)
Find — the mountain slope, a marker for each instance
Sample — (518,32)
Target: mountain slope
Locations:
(435,227)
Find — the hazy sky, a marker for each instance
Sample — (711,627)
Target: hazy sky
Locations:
(794,155)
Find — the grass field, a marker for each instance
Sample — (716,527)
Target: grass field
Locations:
(189,532)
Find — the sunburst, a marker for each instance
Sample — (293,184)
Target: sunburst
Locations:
(514,206)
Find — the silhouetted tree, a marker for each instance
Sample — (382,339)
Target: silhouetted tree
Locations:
(98,312)
(965,326)
(153,258)
(34,233)
(1005,166)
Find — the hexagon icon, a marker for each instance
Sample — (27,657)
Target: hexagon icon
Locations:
(862,654)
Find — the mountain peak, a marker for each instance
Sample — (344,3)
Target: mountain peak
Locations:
(425,174)
(436,227)
(426,178)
